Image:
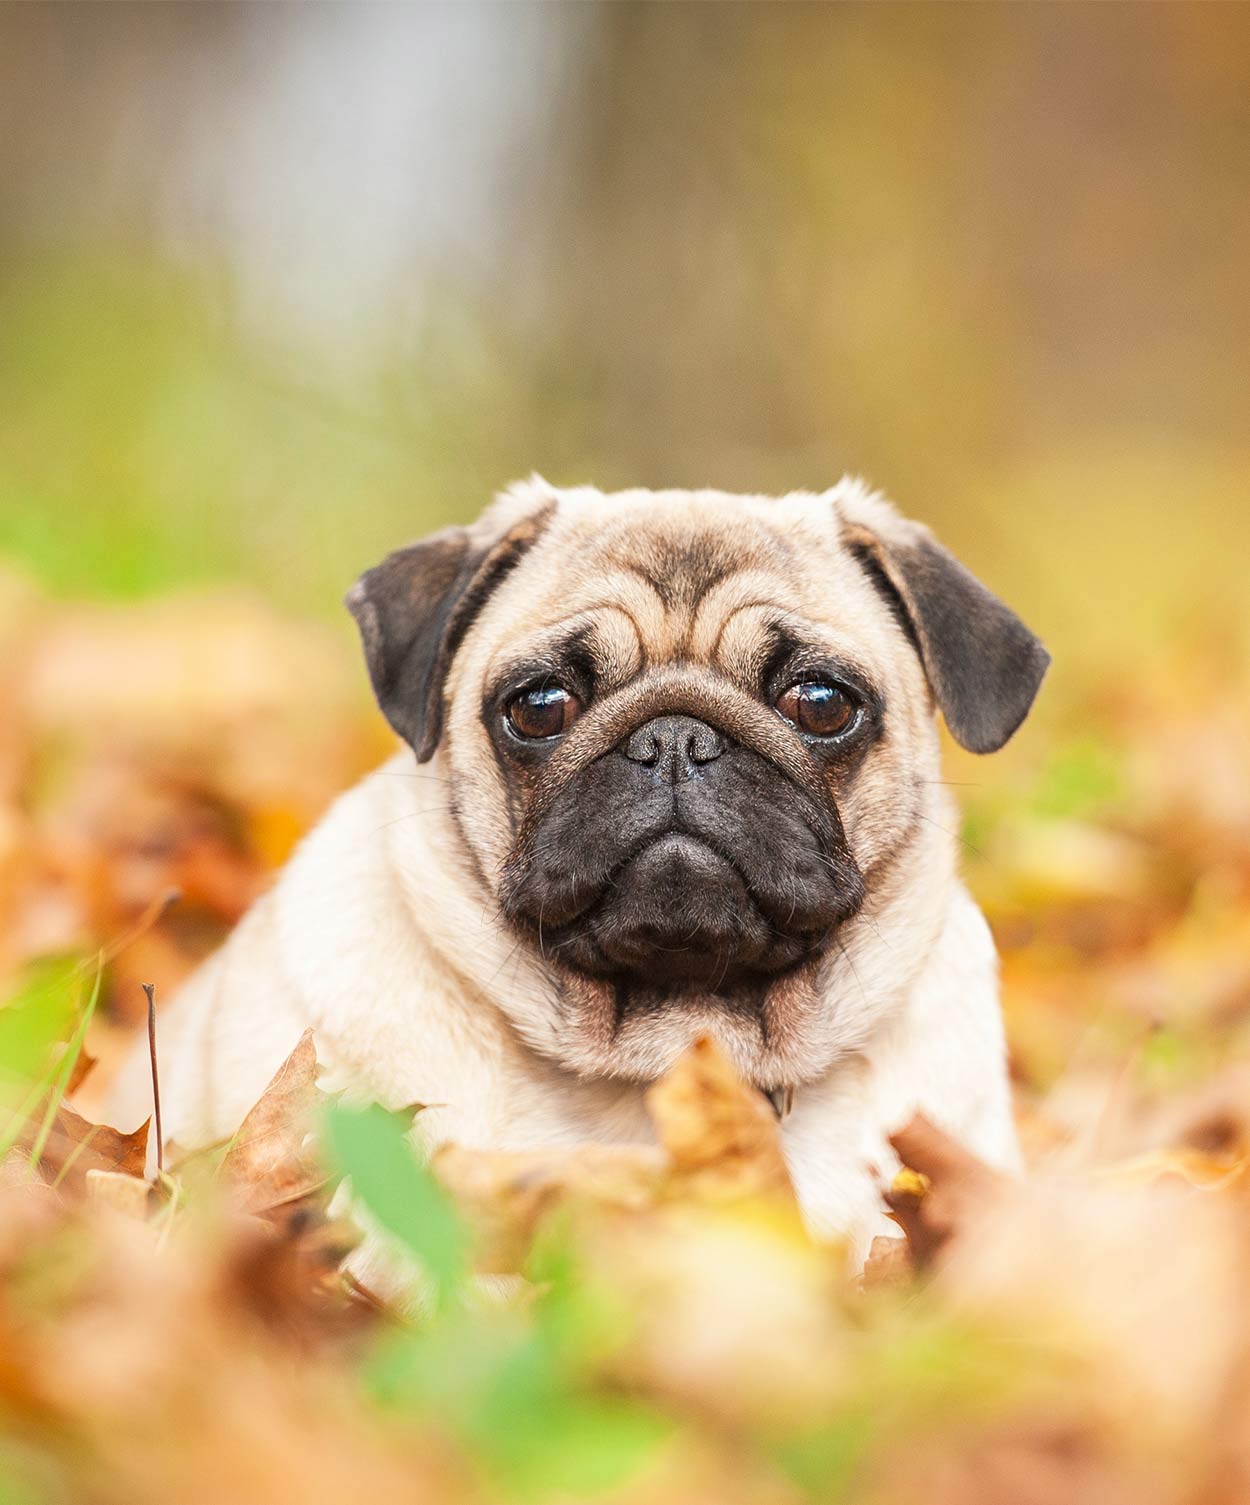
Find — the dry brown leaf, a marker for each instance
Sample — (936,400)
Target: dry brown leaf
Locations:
(171,1370)
(129,1195)
(889,1264)
(287,1277)
(286,1267)
(84,1064)
(940,1186)
(721,1135)
(74,1146)
(505,1194)
(270,1161)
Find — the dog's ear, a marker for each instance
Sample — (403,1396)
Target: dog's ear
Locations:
(414,609)
(983,664)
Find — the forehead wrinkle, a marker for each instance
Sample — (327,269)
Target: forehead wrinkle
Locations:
(756,652)
(661,625)
(609,584)
(811,637)
(685,551)
(744,589)
(587,620)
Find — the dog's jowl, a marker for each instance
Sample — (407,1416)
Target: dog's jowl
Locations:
(669,768)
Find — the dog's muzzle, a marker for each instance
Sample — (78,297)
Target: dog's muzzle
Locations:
(682,861)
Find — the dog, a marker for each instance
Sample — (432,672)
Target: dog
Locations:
(670,769)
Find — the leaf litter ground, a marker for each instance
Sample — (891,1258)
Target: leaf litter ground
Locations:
(644,1324)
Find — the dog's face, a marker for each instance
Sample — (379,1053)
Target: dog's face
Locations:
(687,738)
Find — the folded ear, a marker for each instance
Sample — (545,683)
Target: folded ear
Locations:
(414,609)
(983,664)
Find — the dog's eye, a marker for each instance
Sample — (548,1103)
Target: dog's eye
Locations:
(543,712)
(820,710)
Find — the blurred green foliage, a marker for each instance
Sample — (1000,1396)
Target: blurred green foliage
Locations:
(990,258)
(526,1388)
(145,446)
(370,1145)
(517,1389)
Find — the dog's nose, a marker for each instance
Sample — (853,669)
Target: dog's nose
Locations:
(675,746)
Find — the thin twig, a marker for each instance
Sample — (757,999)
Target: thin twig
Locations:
(150,990)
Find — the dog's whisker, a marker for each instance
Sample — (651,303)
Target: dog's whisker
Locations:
(955,836)
(407,815)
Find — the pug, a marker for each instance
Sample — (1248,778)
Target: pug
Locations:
(669,769)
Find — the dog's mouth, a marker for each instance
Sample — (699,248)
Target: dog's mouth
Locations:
(679,915)
(708,885)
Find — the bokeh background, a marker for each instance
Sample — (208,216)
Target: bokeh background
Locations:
(284,286)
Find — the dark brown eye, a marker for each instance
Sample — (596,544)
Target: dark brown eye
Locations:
(544,712)
(820,710)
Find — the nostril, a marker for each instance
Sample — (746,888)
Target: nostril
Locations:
(677,744)
(643,747)
(704,744)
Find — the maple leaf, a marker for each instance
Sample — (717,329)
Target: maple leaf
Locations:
(271,1162)
(73,1146)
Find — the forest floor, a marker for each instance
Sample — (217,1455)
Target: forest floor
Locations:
(1082,1334)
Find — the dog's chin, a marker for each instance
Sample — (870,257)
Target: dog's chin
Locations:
(680,920)
(687,935)
(777,1032)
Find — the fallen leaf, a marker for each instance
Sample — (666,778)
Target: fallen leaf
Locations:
(271,1162)
(720,1134)
(889,1264)
(84,1064)
(286,1265)
(939,1186)
(506,1194)
(74,1146)
(129,1195)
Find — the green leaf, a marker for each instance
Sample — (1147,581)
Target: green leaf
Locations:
(35,1018)
(541,1435)
(823,1461)
(579,1445)
(372,1147)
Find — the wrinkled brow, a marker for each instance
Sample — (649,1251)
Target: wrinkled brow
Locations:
(604,641)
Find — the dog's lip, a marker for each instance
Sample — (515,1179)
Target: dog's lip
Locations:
(679,842)
(731,967)
(676,833)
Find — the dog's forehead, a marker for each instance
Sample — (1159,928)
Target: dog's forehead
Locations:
(683,556)
(645,576)
(683,544)
(609,517)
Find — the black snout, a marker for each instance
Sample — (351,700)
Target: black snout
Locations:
(683,862)
(676,747)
